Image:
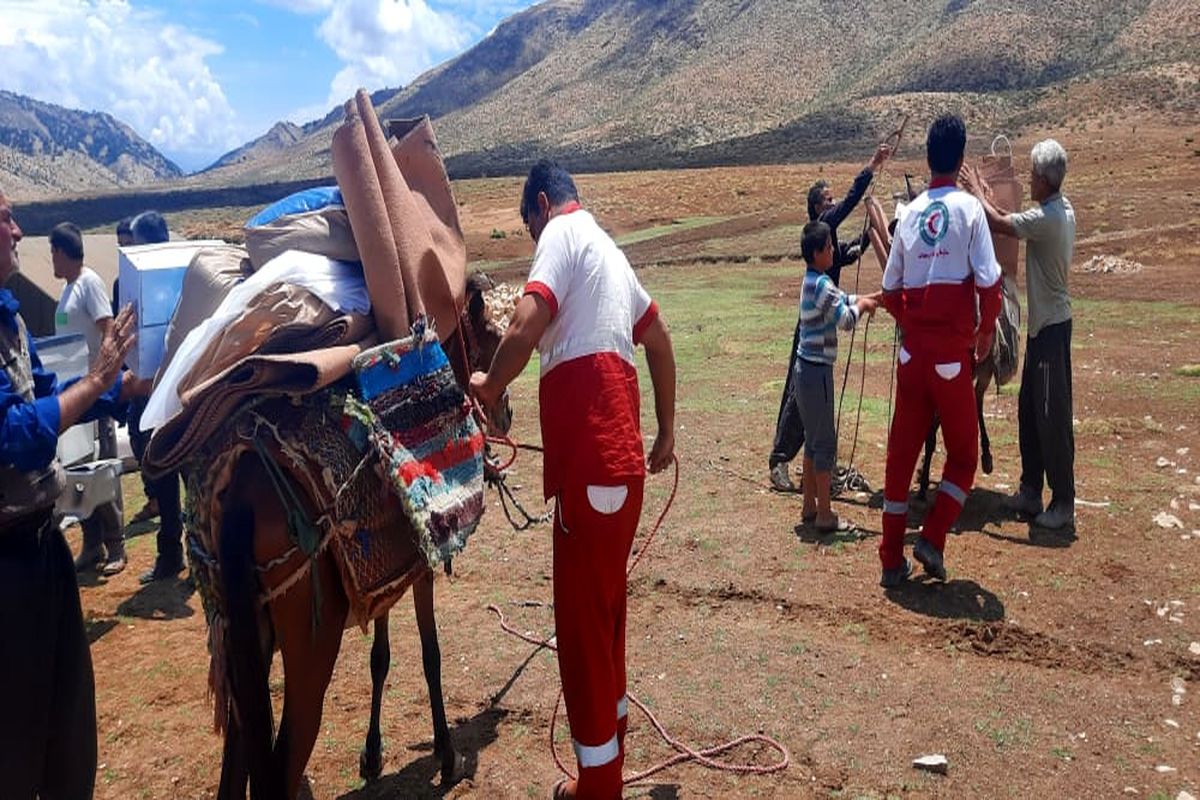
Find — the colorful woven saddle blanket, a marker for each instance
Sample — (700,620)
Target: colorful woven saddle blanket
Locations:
(415,416)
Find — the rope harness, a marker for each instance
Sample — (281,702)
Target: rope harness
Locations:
(707,757)
(849,478)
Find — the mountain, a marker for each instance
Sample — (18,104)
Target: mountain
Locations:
(47,149)
(279,140)
(629,84)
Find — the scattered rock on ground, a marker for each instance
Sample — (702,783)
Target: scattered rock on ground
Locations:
(934,763)
(1165,520)
(1110,265)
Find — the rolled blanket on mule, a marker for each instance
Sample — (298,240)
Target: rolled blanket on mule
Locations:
(283,319)
(212,403)
(404,220)
(338,284)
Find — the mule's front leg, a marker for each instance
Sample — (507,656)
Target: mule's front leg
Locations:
(370,763)
(453,764)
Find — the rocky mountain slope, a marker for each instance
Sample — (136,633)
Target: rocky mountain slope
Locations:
(616,84)
(47,149)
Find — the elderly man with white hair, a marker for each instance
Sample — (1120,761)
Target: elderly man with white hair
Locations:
(1044,408)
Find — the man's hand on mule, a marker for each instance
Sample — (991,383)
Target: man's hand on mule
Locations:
(662,453)
(483,391)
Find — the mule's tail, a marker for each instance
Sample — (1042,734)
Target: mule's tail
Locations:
(246,663)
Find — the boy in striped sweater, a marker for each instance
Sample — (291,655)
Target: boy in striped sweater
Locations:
(824,308)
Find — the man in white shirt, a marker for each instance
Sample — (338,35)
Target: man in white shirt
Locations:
(586,312)
(942,286)
(85,308)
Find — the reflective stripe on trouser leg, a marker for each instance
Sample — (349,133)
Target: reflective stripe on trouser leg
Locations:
(955,400)
(914,414)
(622,723)
(598,756)
(589,606)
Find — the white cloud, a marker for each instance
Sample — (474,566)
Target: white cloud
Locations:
(384,43)
(133,63)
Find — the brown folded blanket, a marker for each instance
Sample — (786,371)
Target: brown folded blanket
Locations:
(284,318)
(209,405)
(441,281)
(365,204)
(404,219)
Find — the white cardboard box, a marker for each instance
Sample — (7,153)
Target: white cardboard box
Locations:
(151,277)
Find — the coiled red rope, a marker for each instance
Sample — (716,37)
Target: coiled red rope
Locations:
(706,757)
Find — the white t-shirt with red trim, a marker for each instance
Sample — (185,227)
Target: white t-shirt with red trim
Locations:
(588,393)
(941,258)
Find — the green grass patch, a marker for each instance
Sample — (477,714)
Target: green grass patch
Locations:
(675,226)
(1189,371)
(1089,314)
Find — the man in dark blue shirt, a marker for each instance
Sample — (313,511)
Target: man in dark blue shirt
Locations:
(48,728)
(822,207)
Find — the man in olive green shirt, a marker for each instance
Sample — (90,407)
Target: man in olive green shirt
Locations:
(1044,406)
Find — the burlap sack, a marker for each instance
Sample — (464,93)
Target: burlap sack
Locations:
(1007,193)
(324,231)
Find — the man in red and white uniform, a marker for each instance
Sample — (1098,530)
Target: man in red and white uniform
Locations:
(942,284)
(585,312)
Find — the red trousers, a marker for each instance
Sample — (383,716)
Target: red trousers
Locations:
(925,386)
(593,533)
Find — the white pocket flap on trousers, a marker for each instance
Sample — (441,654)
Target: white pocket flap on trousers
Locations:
(949,371)
(607,499)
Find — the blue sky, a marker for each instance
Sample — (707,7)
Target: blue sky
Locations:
(197,79)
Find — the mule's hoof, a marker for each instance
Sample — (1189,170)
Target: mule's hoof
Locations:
(986,462)
(370,765)
(454,769)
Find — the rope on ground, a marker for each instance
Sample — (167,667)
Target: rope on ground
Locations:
(706,757)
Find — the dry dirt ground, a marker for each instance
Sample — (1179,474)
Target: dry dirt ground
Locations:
(1048,665)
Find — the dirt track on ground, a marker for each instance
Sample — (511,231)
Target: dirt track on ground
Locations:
(1048,666)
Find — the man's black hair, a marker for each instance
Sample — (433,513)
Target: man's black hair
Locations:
(149,227)
(66,238)
(816,196)
(124,227)
(946,144)
(549,177)
(816,235)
